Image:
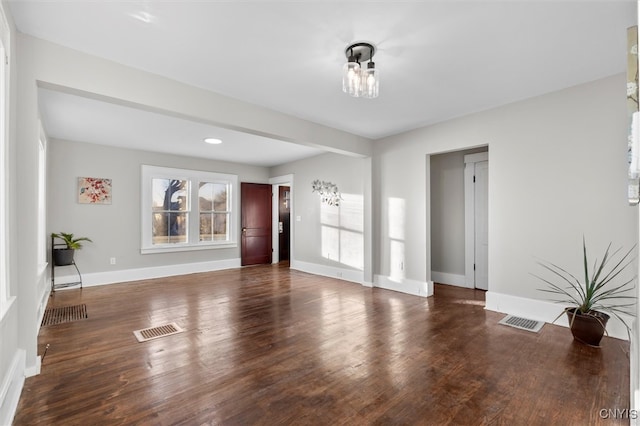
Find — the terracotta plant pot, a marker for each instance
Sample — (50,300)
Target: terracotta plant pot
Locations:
(587,328)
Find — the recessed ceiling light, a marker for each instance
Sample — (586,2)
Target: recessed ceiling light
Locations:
(213,141)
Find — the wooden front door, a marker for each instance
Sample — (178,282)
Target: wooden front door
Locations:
(255,199)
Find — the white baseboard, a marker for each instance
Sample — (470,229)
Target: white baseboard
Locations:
(541,310)
(42,306)
(329,271)
(11,388)
(448,278)
(417,288)
(125,275)
(404,285)
(35,369)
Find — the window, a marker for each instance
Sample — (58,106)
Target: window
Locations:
(187,210)
(5,296)
(214,211)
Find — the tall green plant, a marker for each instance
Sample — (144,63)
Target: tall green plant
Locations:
(70,241)
(598,292)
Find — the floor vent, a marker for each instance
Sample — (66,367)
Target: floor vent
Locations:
(156,332)
(522,323)
(61,314)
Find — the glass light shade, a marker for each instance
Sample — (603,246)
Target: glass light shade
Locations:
(351,78)
(370,81)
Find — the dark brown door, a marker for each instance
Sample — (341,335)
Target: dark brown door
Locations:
(284,211)
(256,223)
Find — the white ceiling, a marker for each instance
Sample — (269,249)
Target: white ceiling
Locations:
(437,59)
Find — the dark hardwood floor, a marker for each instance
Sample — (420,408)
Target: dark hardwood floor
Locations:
(266,345)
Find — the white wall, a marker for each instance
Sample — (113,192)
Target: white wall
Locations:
(115,228)
(557,172)
(329,240)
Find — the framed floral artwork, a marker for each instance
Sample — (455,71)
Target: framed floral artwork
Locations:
(94,190)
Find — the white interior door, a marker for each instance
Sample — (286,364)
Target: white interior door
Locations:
(476,220)
(481,219)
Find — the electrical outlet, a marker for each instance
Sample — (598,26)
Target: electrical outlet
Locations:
(112,261)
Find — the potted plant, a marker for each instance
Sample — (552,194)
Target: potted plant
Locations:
(597,298)
(64,256)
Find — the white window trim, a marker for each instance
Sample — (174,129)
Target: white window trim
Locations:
(193,176)
(42,201)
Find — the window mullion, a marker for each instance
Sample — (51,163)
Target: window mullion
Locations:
(193,215)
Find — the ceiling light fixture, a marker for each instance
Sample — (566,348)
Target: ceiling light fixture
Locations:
(356,80)
(213,141)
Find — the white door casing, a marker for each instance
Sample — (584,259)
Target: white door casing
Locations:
(476,179)
(286,180)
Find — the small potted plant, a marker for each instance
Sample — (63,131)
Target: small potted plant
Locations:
(64,255)
(596,299)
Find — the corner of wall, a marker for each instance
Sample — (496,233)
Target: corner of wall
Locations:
(404,285)
(11,388)
(329,271)
(450,279)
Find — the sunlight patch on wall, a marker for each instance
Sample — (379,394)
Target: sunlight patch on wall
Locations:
(397,213)
(396,208)
(352,212)
(396,269)
(329,215)
(331,243)
(351,249)
(342,231)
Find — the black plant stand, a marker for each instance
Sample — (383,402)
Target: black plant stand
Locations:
(55,286)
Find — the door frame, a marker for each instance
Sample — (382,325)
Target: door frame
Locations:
(469,215)
(276,182)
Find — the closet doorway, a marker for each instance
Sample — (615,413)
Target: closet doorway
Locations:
(459,217)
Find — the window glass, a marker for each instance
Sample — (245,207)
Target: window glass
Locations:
(170,200)
(213,207)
